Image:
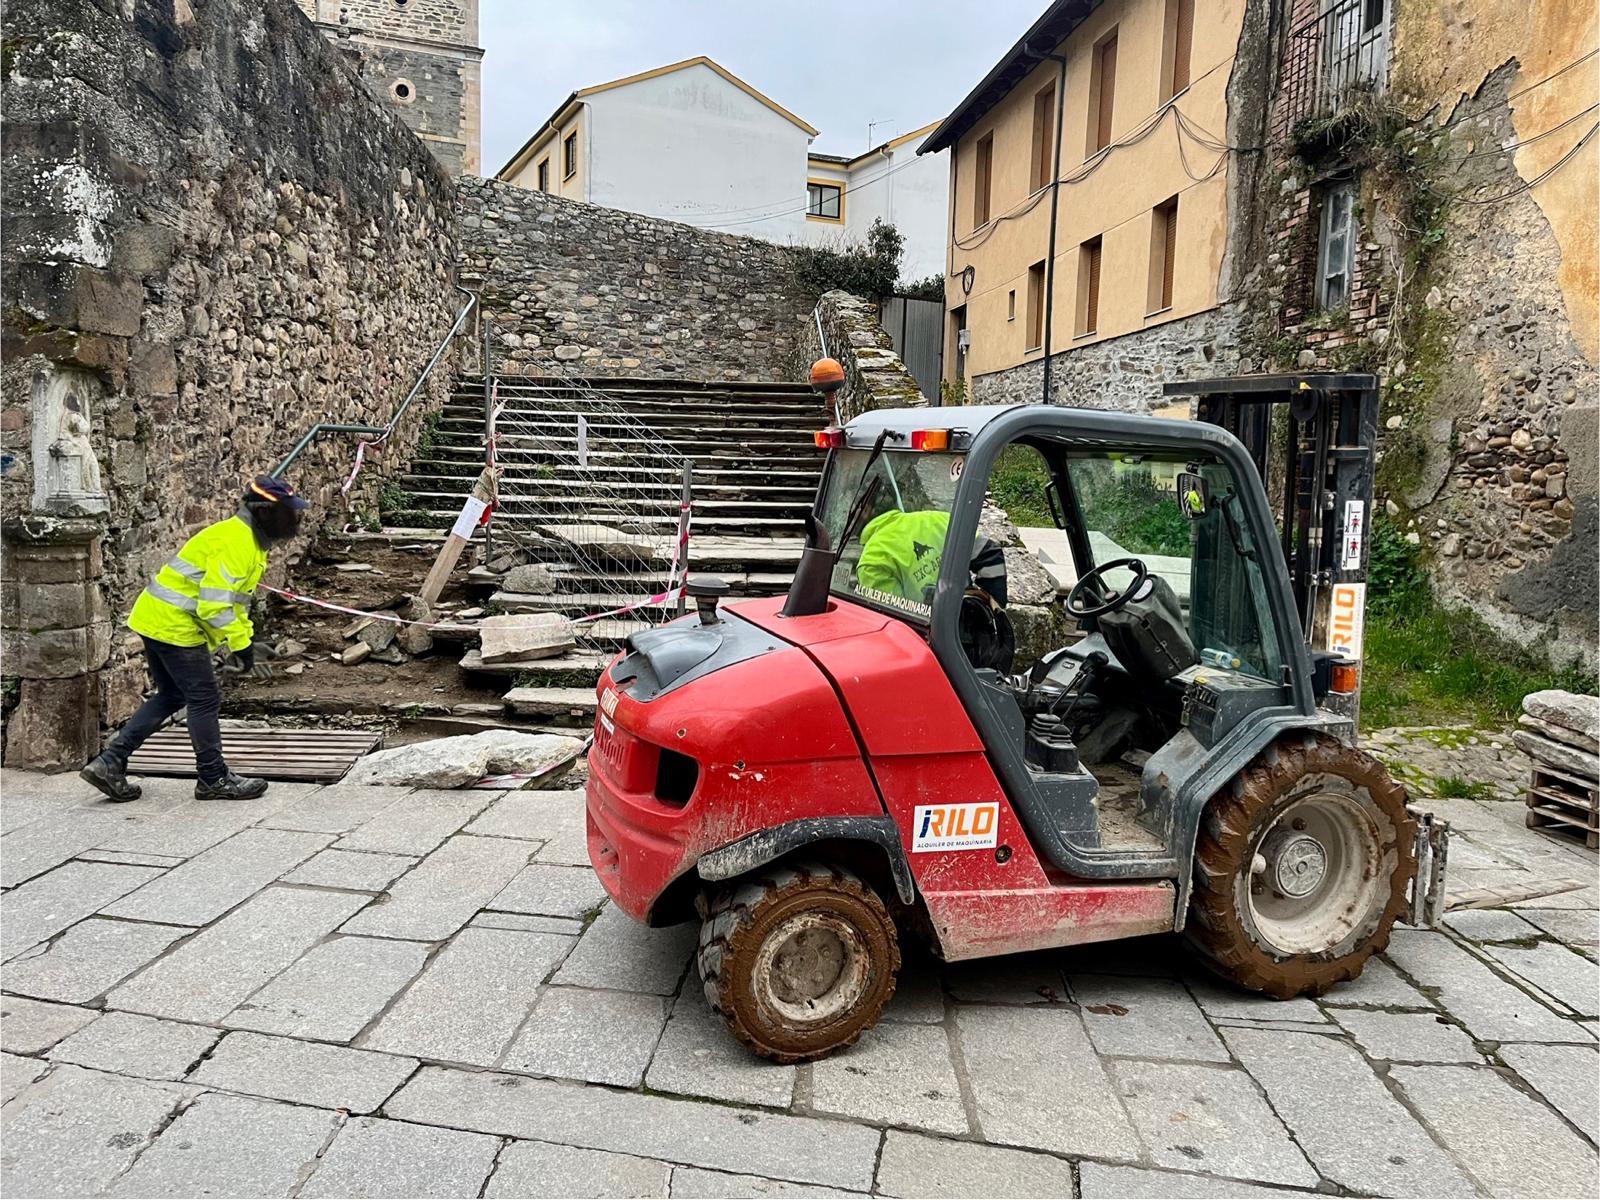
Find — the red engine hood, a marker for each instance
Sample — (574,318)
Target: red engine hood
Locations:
(841,620)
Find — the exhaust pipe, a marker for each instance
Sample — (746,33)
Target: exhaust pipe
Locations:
(808,592)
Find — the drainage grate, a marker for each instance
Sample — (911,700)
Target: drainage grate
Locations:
(304,755)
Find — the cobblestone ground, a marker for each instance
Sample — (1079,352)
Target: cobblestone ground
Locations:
(375,992)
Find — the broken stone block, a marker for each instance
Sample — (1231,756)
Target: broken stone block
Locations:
(391,656)
(530,579)
(290,648)
(523,636)
(359,653)
(414,640)
(1557,755)
(380,634)
(463,760)
(612,543)
(1556,733)
(1026,581)
(1566,709)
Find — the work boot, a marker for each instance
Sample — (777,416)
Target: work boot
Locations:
(109,776)
(230,787)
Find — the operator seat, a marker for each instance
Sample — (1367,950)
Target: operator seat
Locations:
(1147,634)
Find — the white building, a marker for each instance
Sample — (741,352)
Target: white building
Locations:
(692,142)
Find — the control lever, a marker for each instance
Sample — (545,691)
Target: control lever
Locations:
(1088,675)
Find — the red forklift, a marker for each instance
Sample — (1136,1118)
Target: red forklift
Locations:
(818,775)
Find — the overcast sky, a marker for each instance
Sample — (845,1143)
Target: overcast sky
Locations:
(835,63)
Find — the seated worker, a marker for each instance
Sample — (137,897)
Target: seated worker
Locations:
(901,552)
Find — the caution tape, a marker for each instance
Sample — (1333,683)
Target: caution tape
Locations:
(298,598)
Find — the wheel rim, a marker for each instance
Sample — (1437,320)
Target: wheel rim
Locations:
(1315,877)
(812,968)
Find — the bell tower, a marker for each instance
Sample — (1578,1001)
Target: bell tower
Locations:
(422,57)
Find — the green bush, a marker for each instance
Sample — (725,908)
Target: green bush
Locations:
(1017,484)
(870,269)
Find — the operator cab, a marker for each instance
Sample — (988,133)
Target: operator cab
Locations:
(1166,640)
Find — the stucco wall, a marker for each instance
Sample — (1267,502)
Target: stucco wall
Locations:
(574,286)
(214,237)
(1114,201)
(910,193)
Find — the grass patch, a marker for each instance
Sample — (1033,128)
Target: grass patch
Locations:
(1453,787)
(1427,664)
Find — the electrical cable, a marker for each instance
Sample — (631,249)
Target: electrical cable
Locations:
(1530,184)
(1528,141)
(1577,62)
(803,207)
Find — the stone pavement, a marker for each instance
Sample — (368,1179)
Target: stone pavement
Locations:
(374,992)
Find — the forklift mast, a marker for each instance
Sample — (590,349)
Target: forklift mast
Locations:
(1327,426)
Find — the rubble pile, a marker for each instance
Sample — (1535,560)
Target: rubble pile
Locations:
(1560,732)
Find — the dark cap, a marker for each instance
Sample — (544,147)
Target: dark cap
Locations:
(276,490)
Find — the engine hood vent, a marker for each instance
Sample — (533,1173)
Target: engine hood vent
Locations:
(658,660)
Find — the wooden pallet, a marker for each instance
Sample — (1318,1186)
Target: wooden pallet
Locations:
(1560,800)
(297,755)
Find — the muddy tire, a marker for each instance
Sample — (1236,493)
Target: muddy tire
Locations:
(799,960)
(1301,869)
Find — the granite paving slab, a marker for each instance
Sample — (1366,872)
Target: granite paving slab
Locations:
(532,816)
(45,845)
(215,880)
(720,1185)
(1145,1018)
(75,1131)
(195,825)
(1485,1003)
(469,1002)
(334,991)
(1016,1060)
(33,1026)
(418,824)
(599,1037)
(337,808)
(230,1146)
(1101,1181)
(1408,1037)
(1567,1076)
(1012,979)
(44,906)
(551,891)
(913,1165)
(698,1056)
(440,894)
(691,1132)
(1510,1143)
(1556,970)
(17,1072)
(897,1074)
(1203,1116)
(132,1044)
(351,869)
(620,953)
(372,1157)
(542,1169)
(206,977)
(278,1068)
(1344,1118)
(1379,985)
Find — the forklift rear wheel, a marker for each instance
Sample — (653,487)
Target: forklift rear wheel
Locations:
(1302,869)
(799,960)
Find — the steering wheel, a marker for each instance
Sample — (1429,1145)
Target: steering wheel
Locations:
(1074,602)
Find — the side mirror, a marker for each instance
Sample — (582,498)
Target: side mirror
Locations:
(1052,495)
(1193,495)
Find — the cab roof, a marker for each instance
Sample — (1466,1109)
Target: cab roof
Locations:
(864,430)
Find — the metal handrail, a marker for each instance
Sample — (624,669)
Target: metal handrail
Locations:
(322,427)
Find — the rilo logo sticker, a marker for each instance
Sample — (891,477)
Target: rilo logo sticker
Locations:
(955,826)
(608,702)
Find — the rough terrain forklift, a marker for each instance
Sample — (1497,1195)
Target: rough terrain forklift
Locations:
(820,774)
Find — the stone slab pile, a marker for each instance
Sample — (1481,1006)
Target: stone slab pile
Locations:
(1560,732)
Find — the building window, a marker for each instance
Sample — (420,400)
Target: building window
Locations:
(1163,254)
(1102,93)
(544,174)
(1336,246)
(981,178)
(403,91)
(1011,305)
(1178,45)
(569,156)
(824,201)
(1036,305)
(1089,287)
(1044,128)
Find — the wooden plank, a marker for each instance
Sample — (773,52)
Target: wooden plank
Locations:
(483,491)
(299,755)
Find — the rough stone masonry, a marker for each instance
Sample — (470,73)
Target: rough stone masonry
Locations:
(215,237)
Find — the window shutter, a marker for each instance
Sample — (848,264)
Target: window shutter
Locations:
(1170,253)
(1182,42)
(1044,104)
(1092,310)
(1108,89)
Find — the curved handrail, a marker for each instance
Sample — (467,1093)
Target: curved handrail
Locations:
(322,427)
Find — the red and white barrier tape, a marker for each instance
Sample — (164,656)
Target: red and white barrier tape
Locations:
(357,612)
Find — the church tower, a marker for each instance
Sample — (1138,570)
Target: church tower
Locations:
(423,57)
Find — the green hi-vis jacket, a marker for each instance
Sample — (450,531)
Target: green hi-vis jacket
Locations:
(900,552)
(202,597)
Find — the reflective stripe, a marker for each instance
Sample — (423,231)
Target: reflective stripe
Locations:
(229,575)
(222,595)
(222,620)
(177,599)
(187,569)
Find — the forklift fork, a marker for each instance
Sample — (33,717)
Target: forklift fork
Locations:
(1432,855)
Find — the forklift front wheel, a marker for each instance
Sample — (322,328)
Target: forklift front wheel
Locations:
(1302,869)
(799,960)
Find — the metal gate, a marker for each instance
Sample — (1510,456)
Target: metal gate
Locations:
(917,330)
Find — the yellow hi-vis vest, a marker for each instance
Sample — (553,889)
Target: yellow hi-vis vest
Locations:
(202,597)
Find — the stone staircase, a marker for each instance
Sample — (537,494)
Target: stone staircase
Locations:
(755,472)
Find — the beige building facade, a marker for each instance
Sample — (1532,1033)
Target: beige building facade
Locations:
(1129,97)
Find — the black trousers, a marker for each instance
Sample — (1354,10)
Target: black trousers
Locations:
(184,676)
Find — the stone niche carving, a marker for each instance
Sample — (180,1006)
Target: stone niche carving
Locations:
(66,473)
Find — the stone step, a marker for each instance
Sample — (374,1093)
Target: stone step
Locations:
(645,443)
(556,702)
(625,383)
(581,669)
(466,462)
(714,410)
(609,510)
(524,480)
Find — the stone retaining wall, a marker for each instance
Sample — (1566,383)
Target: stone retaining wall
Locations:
(874,375)
(577,287)
(215,237)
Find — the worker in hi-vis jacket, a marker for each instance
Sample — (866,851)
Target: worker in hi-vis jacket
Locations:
(198,603)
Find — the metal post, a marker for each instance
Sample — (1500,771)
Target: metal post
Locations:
(681,555)
(484,328)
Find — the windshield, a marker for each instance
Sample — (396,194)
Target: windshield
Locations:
(1130,508)
(892,549)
